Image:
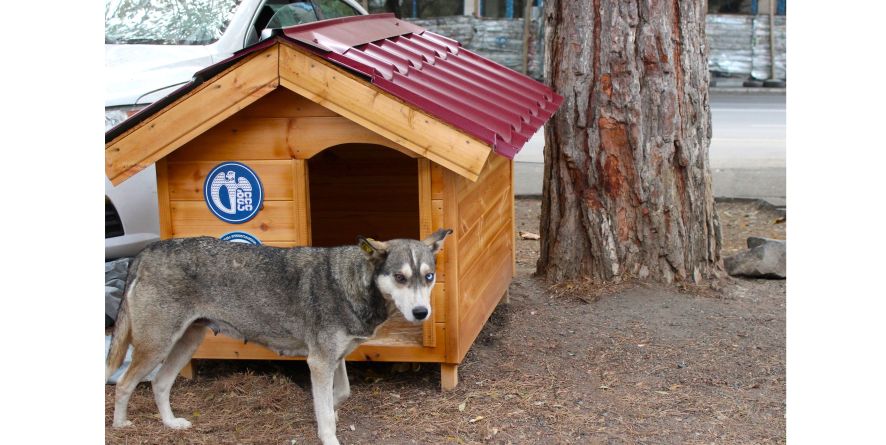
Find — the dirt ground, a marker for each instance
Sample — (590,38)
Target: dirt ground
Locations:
(639,363)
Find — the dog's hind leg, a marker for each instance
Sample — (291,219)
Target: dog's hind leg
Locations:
(341,387)
(178,357)
(144,360)
(322,375)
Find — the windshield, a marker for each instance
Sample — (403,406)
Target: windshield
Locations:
(167,22)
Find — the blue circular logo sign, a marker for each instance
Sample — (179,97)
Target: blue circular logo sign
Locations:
(233,192)
(240,237)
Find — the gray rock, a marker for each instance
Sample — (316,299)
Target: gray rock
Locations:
(754,241)
(764,258)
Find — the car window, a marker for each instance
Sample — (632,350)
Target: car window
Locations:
(167,22)
(330,9)
(291,14)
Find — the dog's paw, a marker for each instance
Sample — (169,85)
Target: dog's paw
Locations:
(178,423)
(329,440)
(122,424)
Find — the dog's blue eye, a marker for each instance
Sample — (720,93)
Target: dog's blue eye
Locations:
(429,277)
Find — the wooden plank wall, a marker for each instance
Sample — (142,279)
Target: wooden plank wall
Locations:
(485,246)
(273,136)
(258,137)
(430,186)
(352,189)
(438,295)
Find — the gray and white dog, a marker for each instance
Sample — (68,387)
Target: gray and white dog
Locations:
(308,301)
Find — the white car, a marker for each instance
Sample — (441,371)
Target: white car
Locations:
(154,46)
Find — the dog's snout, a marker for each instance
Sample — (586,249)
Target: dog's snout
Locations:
(420,313)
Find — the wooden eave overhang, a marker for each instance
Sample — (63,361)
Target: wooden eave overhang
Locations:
(283,63)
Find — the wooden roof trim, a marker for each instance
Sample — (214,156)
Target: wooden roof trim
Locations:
(342,92)
(193,114)
(405,126)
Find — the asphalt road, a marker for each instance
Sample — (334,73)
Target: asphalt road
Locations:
(749,131)
(747,149)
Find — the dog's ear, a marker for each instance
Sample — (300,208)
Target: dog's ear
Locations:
(372,248)
(435,241)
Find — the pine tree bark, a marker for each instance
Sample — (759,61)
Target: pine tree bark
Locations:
(627,182)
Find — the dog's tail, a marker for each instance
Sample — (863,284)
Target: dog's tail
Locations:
(122,335)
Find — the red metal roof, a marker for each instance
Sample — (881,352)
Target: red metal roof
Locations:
(489,101)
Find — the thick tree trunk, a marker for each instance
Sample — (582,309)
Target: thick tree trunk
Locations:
(627,184)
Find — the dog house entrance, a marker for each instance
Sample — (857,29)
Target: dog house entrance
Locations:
(362,189)
(369,190)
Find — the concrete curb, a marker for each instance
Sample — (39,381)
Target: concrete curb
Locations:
(761,203)
(748,90)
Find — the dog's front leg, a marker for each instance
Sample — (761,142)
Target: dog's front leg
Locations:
(322,374)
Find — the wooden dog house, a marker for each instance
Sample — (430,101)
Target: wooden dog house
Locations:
(365,125)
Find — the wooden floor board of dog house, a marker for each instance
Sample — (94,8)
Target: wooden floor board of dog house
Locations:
(402,353)
(397,332)
(392,350)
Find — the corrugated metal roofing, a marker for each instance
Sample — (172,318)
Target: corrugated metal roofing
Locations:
(487,100)
(490,101)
